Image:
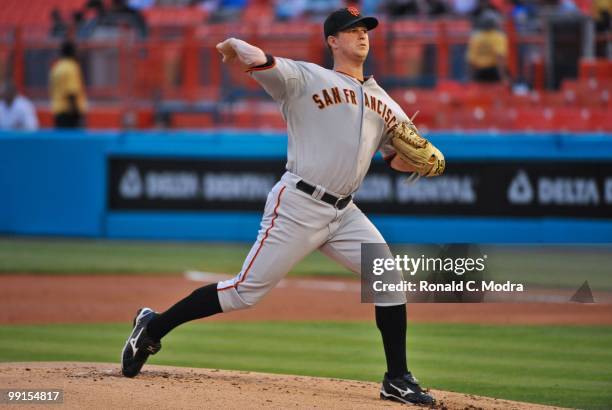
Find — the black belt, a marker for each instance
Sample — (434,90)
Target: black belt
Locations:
(339,203)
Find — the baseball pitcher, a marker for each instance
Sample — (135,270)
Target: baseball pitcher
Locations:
(336,121)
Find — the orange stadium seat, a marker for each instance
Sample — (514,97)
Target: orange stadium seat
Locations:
(600,120)
(192,120)
(410,37)
(35,13)
(175,16)
(535,119)
(597,69)
(572,119)
(45,118)
(105,118)
(259,11)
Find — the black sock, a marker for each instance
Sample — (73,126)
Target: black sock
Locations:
(201,303)
(391,321)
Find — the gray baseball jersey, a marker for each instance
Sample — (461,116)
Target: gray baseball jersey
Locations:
(335,125)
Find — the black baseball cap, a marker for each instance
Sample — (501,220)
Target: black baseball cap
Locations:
(344,18)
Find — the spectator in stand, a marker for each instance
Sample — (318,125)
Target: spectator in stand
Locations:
(524,16)
(141,4)
(403,8)
(59,28)
(436,8)
(602,9)
(464,7)
(66,89)
(286,10)
(484,6)
(16,111)
(122,15)
(78,19)
(319,9)
(567,7)
(487,51)
(370,7)
(105,22)
(228,10)
(95,13)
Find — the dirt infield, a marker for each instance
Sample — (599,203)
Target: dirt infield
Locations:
(85,299)
(165,387)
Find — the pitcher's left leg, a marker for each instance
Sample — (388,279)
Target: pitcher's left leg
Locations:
(344,246)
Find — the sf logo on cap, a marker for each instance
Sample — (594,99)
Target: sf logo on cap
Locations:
(353,11)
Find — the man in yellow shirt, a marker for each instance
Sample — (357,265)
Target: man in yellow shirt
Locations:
(68,100)
(487,51)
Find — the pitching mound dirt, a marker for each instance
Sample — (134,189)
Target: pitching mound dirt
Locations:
(98,385)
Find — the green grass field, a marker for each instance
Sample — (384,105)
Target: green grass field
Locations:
(549,266)
(566,366)
(100,257)
(561,365)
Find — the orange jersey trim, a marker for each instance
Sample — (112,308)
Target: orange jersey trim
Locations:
(246,272)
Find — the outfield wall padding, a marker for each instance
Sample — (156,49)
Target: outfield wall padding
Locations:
(61,183)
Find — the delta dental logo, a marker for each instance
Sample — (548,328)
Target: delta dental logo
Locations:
(520,191)
(582,191)
(130,186)
(187,185)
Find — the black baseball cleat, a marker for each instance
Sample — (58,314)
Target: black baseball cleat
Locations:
(139,345)
(405,389)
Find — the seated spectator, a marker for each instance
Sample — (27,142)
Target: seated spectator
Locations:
(107,22)
(319,9)
(403,8)
(228,10)
(602,10)
(523,15)
(484,6)
(437,8)
(120,14)
(567,7)
(286,10)
(370,7)
(78,19)
(141,4)
(59,28)
(464,7)
(67,93)
(487,50)
(93,15)
(16,111)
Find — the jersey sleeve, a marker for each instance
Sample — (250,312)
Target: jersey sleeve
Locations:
(282,78)
(386,149)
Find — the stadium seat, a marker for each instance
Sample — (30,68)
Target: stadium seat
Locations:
(600,120)
(572,119)
(535,119)
(175,16)
(35,13)
(45,117)
(192,120)
(599,69)
(105,118)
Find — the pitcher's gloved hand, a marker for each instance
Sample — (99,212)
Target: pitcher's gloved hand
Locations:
(416,150)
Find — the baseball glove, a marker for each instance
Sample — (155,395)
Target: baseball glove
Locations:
(416,150)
